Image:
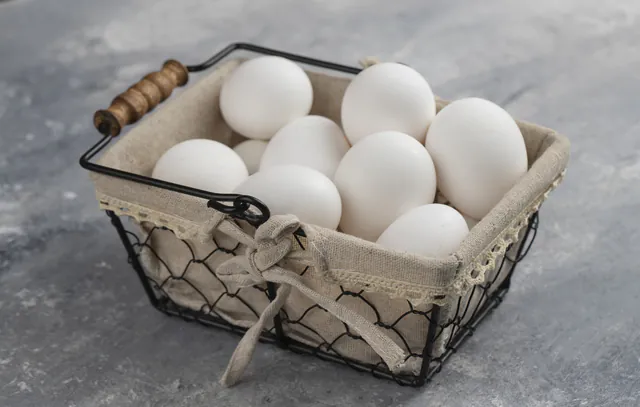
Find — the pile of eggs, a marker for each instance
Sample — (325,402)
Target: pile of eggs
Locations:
(375,176)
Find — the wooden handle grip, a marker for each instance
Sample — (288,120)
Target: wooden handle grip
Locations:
(131,105)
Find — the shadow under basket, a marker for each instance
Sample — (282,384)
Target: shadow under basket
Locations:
(334,296)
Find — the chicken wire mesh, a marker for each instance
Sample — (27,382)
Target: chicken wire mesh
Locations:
(451,329)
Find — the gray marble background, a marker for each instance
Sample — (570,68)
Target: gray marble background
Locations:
(75,329)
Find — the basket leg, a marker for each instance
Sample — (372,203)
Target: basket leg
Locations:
(133,257)
(427,352)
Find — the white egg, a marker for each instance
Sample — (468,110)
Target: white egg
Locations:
(202,164)
(479,153)
(251,153)
(433,230)
(379,179)
(311,141)
(387,96)
(263,94)
(296,190)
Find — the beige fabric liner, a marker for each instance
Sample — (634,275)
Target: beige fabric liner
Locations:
(391,281)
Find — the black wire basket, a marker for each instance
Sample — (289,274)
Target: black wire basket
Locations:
(459,325)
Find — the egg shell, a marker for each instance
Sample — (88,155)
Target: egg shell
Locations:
(379,179)
(311,141)
(387,96)
(263,94)
(479,154)
(296,190)
(203,164)
(433,230)
(251,153)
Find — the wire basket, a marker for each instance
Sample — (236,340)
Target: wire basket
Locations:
(444,327)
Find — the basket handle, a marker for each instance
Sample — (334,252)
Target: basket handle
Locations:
(131,105)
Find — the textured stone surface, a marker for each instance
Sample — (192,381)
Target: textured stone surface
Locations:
(75,329)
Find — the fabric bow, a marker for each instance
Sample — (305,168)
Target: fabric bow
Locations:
(272,244)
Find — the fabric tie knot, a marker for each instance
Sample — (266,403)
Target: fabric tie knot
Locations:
(273,242)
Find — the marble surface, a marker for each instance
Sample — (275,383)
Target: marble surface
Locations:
(75,329)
